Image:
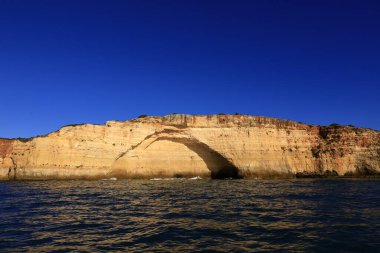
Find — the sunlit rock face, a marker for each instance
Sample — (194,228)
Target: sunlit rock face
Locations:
(216,146)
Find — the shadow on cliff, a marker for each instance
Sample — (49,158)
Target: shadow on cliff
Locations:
(219,166)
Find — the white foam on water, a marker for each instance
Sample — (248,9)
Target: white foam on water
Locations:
(172,178)
(195,178)
(110,179)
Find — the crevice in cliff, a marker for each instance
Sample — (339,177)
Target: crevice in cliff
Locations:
(134,146)
(14,169)
(165,131)
(12,173)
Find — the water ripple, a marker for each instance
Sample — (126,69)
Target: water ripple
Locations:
(190,216)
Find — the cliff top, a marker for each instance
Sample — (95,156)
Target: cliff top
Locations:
(209,121)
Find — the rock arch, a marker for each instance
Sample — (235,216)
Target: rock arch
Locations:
(132,159)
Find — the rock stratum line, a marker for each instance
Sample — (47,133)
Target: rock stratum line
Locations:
(177,145)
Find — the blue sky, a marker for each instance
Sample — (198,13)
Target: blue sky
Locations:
(64,62)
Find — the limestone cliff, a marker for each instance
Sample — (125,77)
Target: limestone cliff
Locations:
(186,145)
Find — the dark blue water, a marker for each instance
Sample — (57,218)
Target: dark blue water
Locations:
(190,216)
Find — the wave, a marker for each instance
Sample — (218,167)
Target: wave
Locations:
(109,179)
(170,178)
(195,178)
(175,178)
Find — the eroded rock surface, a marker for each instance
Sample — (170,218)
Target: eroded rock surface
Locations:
(178,145)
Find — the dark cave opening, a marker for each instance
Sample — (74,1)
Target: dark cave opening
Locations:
(227,172)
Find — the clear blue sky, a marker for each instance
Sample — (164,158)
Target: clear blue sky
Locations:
(64,62)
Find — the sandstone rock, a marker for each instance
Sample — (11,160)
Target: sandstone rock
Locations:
(186,145)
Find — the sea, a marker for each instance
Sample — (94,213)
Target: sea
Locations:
(190,215)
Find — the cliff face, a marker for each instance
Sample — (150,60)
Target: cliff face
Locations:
(185,145)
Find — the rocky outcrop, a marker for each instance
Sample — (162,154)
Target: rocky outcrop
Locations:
(178,145)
